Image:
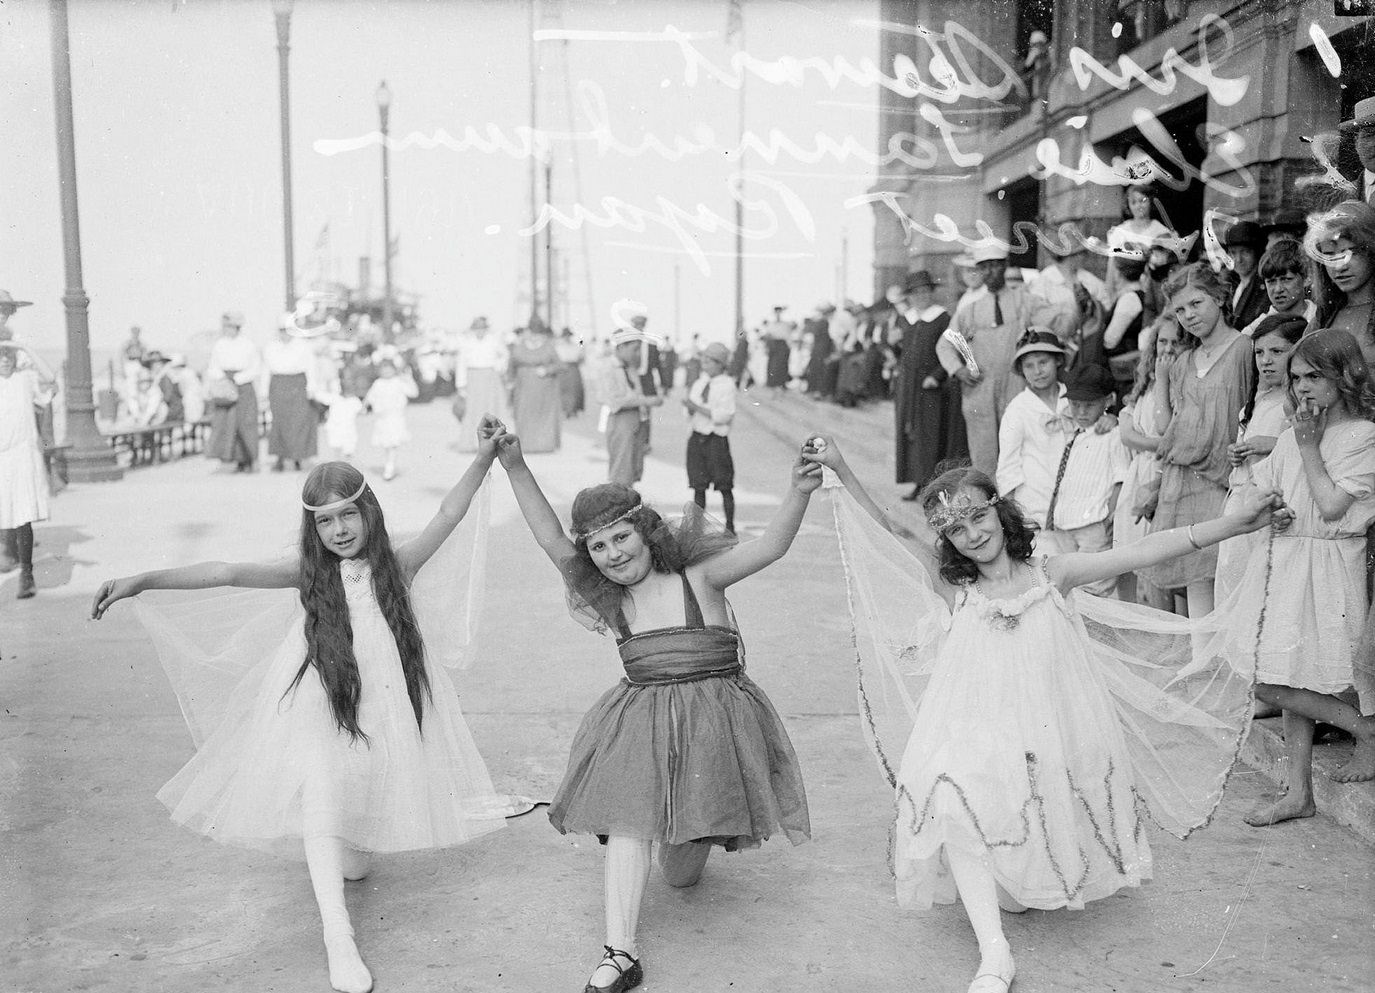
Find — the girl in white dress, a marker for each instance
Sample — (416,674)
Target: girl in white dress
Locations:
(23,476)
(1325,467)
(387,398)
(343,739)
(1039,735)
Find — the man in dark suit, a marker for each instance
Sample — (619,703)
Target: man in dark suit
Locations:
(1244,243)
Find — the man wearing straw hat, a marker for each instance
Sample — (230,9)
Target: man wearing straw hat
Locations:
(977,350)
(1362,127)
(626,407)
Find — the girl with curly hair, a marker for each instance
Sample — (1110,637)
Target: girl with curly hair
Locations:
(346,739)
(686,750)
(1023,762)
(1325,467)
(1201,392)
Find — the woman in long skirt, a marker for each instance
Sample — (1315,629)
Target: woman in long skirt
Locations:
(535,367)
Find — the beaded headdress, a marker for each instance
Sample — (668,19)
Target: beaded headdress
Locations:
(335,505)
(952,510)
(584,535)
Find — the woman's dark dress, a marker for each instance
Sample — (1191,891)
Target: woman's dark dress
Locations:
(929,423)
(685,748)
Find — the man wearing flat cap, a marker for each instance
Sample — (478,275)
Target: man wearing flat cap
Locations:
(977,350)
(1245,243)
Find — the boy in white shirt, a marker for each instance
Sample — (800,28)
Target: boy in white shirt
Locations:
(1089,476)
(1034,427)
(711,404)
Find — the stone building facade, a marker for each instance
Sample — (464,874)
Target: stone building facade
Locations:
(1235,101)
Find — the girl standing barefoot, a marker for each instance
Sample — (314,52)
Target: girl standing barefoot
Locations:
(686,750)
(1029,745)
(346,739)
(1325,467)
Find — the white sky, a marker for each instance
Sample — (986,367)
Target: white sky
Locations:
(179,174)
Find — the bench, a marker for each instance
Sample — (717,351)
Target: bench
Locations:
(158,442)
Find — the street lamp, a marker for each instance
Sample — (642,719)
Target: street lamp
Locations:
(90,458)
(383,109)
(281,10)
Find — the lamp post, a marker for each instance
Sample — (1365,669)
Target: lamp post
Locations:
(281,10)
(90,457)
(383,109)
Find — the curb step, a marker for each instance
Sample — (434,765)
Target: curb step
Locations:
(1351,805)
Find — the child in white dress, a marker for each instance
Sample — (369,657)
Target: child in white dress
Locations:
(1034,747)
(387,398)
(1325,467)
(326,729)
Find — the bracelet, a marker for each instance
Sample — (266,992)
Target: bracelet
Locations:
(1189,533)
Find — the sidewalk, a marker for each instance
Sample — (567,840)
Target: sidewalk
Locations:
(867,436)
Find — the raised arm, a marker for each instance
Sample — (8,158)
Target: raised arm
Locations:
(539,515)
(201,576)
(452,509)
(749,557)
(829,455)
(1078,568)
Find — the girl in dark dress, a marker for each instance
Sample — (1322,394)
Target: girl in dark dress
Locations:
(686,750)
(929,424)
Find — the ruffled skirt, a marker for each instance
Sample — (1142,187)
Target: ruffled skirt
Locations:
(705,760)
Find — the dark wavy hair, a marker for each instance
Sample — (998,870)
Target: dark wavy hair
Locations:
(1199,274)
(597,507)
(329,635)
(1290,327)
(1018,535)
(1336,356)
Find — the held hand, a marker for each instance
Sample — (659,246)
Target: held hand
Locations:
(1262,507)
(930,383)
(826,453)
(1105,423)
(1237,454)
(806,476)
(1309,422)
(490,432)
(111,591)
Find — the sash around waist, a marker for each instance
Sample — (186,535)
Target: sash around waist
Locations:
(680,655)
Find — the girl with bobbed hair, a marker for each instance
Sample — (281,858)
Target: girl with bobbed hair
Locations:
(1201,393)
(686,750)
(340,738)
(1027,749)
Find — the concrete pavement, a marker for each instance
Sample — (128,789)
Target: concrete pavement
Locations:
(99,891)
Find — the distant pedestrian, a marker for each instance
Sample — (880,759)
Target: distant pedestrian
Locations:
(316,743)
(777,334)
(711,404)
(535,399)
(627,407)
(387,398)
(291,385)
(929,426)
(23,476)
(480,373)
(233,369)
(685,750)
(572,391)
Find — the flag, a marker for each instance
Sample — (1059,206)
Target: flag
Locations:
(735,21)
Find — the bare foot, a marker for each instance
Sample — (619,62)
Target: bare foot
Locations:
(347,973)
(996,970)
(1285,807)
(1361,766)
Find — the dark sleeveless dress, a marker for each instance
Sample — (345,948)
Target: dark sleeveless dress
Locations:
(685,748)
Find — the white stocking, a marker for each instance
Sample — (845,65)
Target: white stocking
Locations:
(979,894)
(627,873)
(325,859)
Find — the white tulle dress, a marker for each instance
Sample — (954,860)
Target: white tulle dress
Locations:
(1040,732)
(271,763)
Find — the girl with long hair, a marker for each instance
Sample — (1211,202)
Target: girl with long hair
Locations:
(686,750)
(1202,393)
(345,739)
(1325,467)
(1035,733)
(1342,241)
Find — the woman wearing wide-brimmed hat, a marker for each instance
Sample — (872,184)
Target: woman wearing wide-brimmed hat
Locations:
(23,476)
(234,360)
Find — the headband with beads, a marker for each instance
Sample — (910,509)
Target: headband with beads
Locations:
(950,511)
(584,535)
(326,507)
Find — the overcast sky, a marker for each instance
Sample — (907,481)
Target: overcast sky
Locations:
(179,169)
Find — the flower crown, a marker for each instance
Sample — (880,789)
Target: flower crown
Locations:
(951,511)
(584,535)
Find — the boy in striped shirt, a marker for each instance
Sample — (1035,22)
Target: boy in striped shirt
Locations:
(1089,476)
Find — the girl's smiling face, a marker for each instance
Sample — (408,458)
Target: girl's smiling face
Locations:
(1312,386)
(343,530)
(621,553)
(1271,350)
(979,537)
